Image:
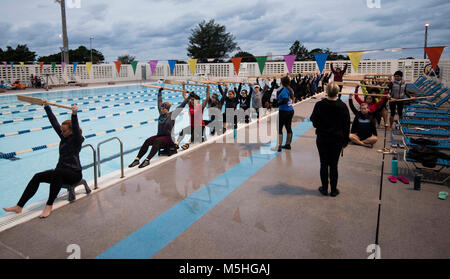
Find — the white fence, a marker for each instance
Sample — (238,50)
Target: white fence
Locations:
(412,69)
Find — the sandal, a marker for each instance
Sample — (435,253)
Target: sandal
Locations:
(185,146)
(402,179)
(392,179)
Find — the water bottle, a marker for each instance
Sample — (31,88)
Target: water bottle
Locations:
(417,181)
(394,166)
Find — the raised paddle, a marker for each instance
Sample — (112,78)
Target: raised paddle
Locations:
(176,82)
(158,87)
(39,101)
(374,95)
(357,84)
(410,99)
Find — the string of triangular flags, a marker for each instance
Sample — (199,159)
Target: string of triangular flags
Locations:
(434,55)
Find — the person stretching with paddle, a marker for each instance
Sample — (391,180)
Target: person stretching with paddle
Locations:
(68,169)
(163,138)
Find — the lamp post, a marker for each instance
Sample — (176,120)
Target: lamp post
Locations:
(64,30)
(90,42)
(426,39)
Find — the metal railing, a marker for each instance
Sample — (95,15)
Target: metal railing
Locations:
(95,163)
(121,154)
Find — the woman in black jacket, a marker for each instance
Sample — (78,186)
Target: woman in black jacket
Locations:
(68,169)
(331,119)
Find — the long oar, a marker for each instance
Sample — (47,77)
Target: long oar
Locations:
(158,87)
(374,95)
(353,84)
(410,99)
(39,101)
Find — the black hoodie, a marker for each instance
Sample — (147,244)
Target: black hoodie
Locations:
(331,120)
(70,147)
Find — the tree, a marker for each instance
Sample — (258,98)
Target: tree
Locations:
(20,54)
(81,55)
(300,50)
(126,59)
(246,56)
(210,40)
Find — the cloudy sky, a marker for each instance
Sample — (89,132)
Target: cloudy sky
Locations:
(159,29)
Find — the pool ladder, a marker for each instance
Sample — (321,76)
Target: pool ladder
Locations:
(95,163)
(121,155)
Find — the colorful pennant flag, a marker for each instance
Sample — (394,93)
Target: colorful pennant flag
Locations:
(153,64)
(261,63)
(290,59)
(192,65)
(118,64)
(22,65)
(88,67)
(75,64)
(237,64)
(41,64)
(63,66)
(53,66)
(172,66)
(134,65)
(321,59)
(434,54)
(355,57)
(12,64)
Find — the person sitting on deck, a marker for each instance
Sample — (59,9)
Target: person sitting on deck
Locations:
(363,130)
(5,85)
(197,126)
(18,85)
(374,106)
(163,138)
(68,169)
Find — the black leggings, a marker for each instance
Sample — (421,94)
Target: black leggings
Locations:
(285,119)
(155,142)
(399,106)
(56,178)
(329,152)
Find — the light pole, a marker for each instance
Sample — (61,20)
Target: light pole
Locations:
(426,39)
(90,42)
(64,30)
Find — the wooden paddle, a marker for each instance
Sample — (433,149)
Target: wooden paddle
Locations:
(158,87)
(39,101)
(357,84)
(207,81)
(176,82)
(410,99)
(374,95)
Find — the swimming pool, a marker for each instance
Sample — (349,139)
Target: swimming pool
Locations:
(127,112)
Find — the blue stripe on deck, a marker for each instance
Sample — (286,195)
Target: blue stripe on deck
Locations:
(155,235)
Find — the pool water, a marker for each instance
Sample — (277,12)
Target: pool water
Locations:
(135,102)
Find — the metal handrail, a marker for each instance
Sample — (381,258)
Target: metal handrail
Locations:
(95,163)
(121,154)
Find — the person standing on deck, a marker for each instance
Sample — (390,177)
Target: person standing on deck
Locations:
(331,119)
(338,75)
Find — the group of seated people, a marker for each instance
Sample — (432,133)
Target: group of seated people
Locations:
(36,81)
(15,86)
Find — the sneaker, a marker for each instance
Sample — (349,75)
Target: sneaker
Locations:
(144,164)
(276,149)
(335,193)
(135,163)
(322,191)
(286,146)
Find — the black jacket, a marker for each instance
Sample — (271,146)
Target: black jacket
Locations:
(70,147)
(331,120)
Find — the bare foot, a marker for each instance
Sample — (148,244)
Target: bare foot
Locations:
(16,209)
(46,212)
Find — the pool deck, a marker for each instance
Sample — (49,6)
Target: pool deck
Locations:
(275,212)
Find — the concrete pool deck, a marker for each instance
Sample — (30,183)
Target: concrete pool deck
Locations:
(276,212)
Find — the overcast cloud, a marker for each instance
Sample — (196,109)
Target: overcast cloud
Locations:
(156,29)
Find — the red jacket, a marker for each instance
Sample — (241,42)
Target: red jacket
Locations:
(338,76)
(372,107)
